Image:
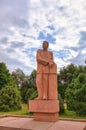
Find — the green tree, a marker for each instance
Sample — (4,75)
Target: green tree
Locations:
(32,79)
(61,89)
(76,94)
(68,73)
(61,104)
(19,77)
(10,98)
(29,90)
(5,76)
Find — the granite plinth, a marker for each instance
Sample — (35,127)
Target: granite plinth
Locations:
(51,117)
(21,123)
(44,110)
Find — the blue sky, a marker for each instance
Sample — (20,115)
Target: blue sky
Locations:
(24,24)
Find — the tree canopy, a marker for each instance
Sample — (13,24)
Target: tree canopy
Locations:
(71,87)
(10,98)
(19,77)
(5,76)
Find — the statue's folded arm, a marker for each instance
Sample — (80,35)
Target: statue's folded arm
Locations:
(41,60)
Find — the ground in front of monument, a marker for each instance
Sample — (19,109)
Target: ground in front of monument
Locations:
(23,123)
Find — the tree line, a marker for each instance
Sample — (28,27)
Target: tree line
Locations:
(16,87)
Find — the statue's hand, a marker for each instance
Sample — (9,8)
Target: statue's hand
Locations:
(51,64)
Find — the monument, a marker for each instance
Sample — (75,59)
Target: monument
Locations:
(46,106)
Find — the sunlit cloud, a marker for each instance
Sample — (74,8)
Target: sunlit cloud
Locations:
(25,24)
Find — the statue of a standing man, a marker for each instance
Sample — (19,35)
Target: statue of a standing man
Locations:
(46,78)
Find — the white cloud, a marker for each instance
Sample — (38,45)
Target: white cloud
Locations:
(83,51)
(22,22)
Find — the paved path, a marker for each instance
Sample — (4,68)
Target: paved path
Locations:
(18,123)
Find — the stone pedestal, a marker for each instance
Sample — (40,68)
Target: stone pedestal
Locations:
(44,110)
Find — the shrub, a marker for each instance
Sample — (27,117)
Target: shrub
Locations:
(76,95)
(34,95)
(10,98)
(81,108)
(61,103)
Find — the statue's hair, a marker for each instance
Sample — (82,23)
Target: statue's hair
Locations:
(46,42)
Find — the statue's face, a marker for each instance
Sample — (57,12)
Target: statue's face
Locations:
(45,45)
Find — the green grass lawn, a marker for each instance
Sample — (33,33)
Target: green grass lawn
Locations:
(71,114)
(24,111)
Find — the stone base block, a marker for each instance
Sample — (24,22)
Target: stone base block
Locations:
(44,110)
(44,106)
(51,117)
